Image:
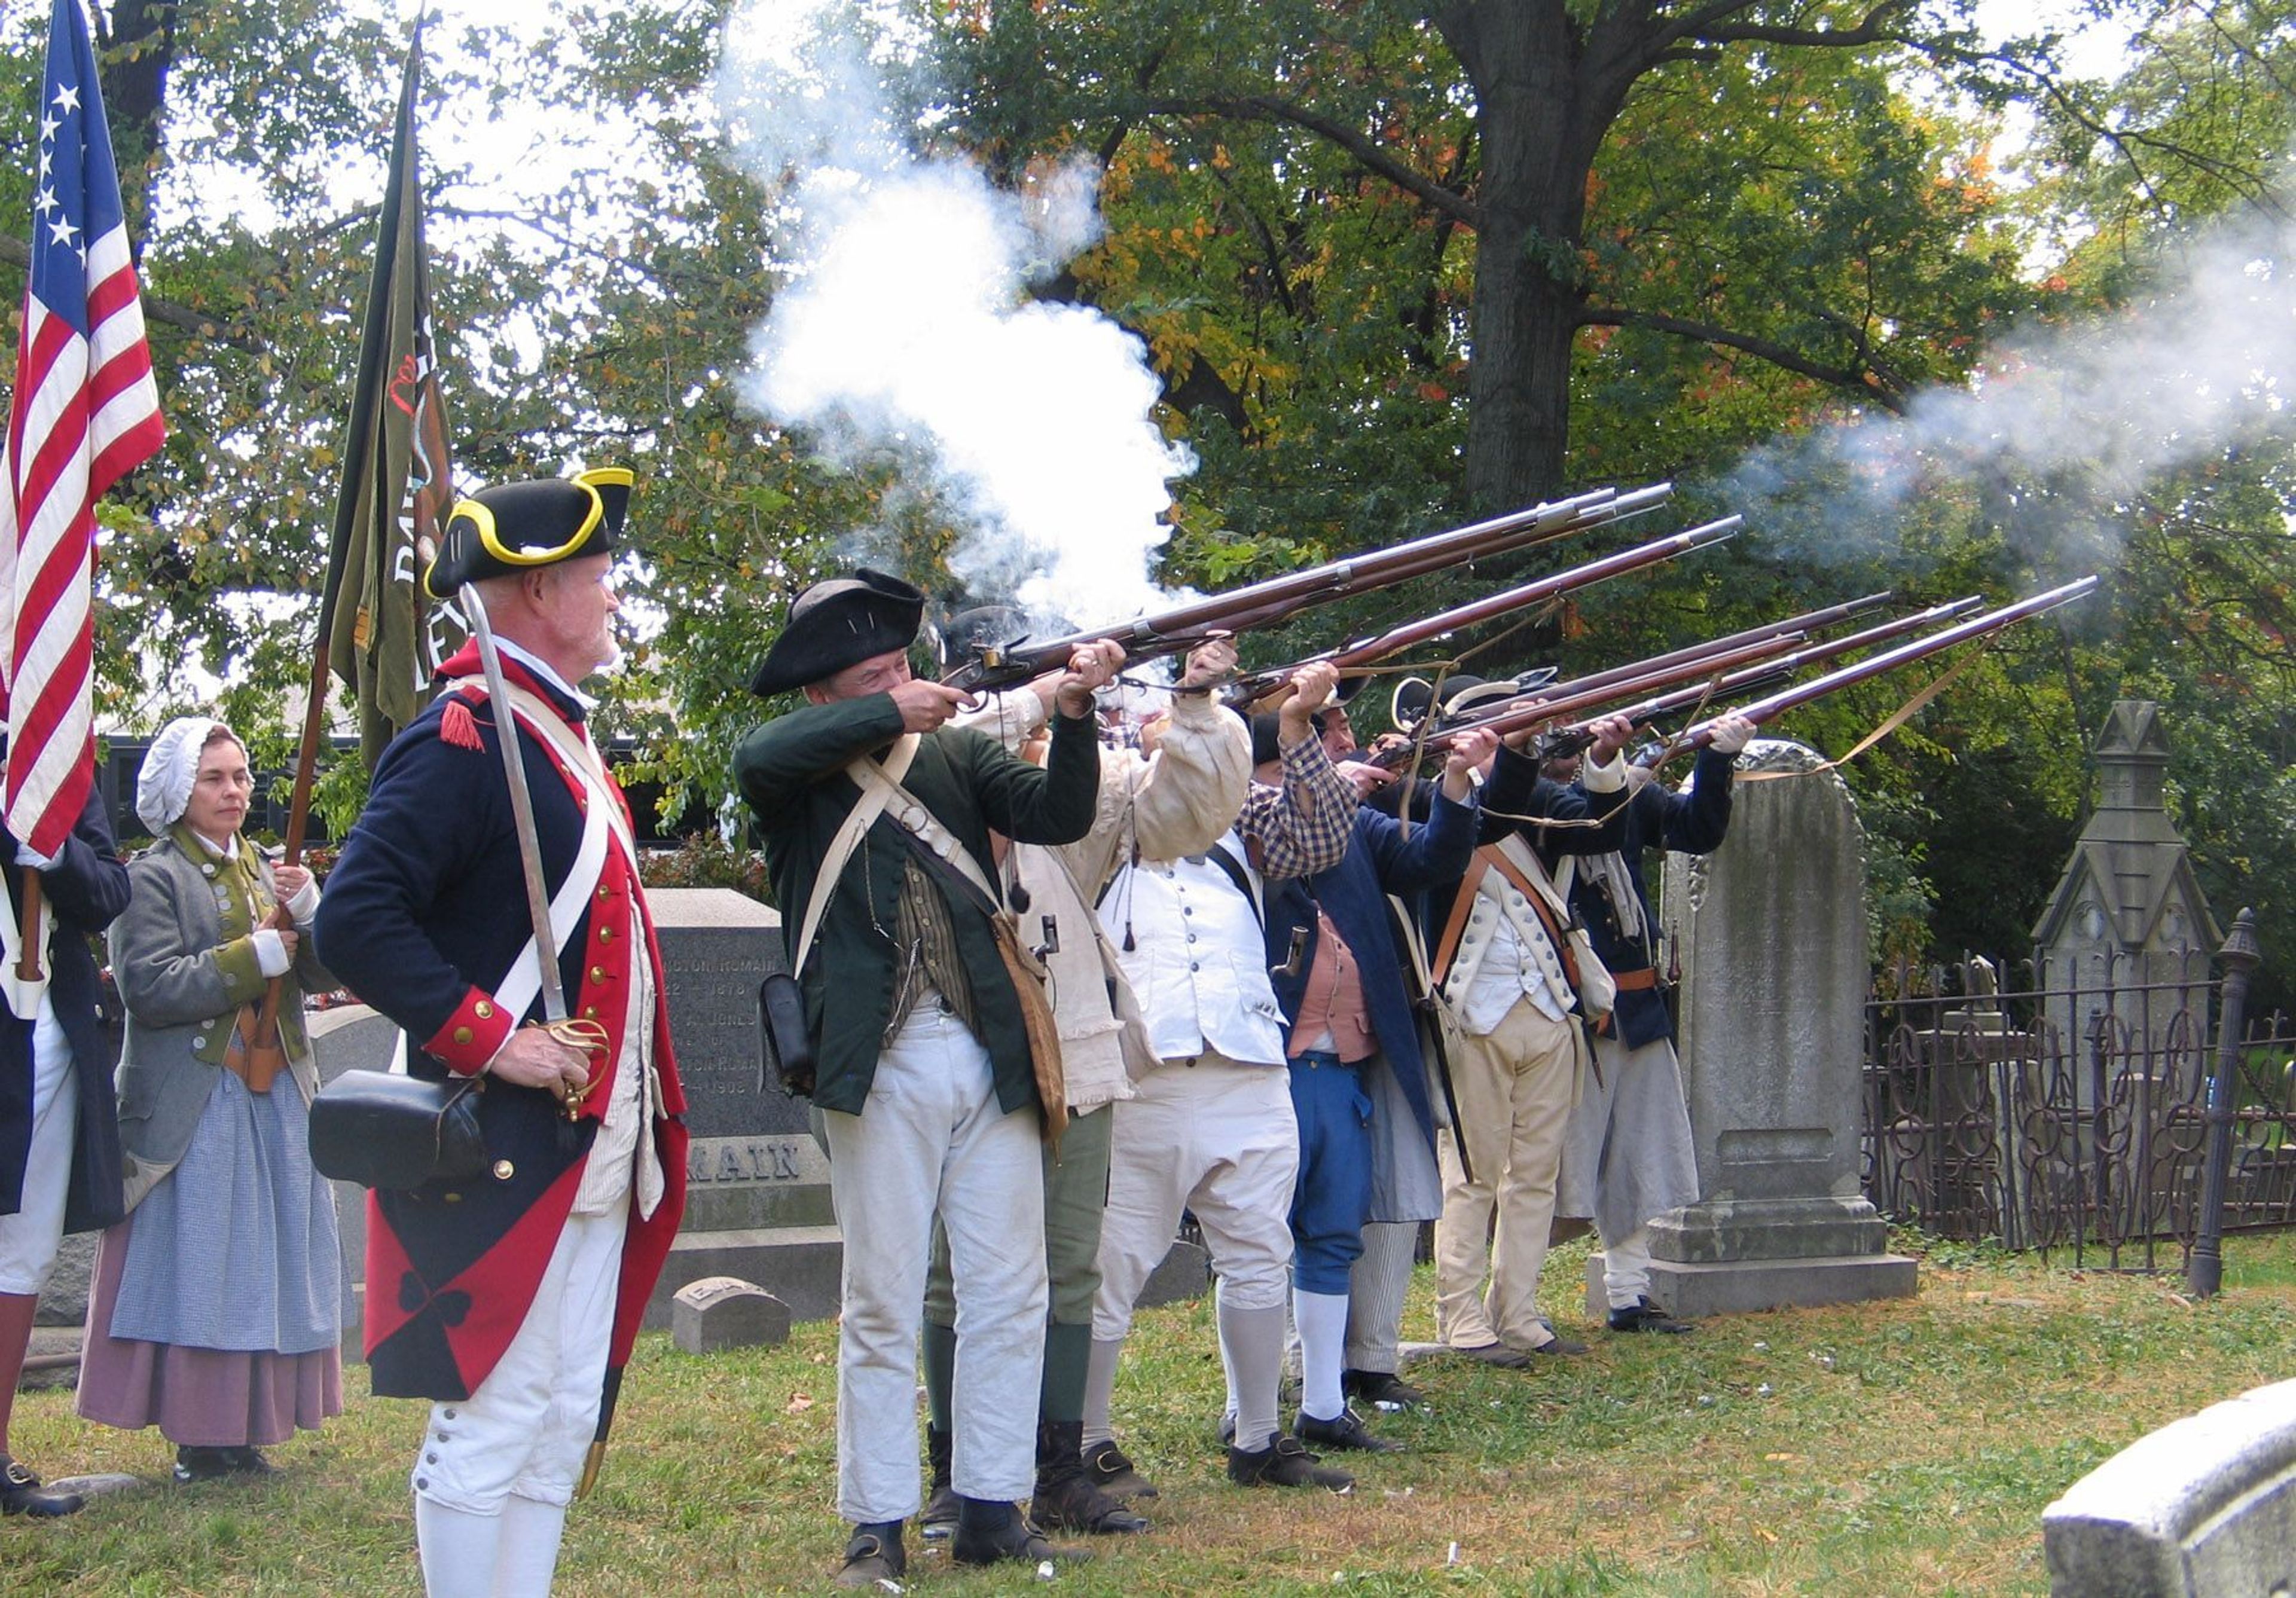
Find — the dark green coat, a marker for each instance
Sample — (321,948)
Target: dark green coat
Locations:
(793,772)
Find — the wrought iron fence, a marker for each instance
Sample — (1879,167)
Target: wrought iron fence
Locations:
(2070,1113)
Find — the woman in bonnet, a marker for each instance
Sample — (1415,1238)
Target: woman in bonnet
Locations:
(216,1308)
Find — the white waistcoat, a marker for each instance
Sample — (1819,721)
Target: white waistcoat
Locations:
(1505,954)
(1199,964)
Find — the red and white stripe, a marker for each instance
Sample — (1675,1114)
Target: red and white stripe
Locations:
(87,412)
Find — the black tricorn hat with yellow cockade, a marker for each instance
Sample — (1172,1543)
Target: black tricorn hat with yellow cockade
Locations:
(516,527)
(840,623)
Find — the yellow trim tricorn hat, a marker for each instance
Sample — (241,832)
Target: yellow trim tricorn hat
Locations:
(516,527)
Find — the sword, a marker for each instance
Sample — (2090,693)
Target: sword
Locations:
(521,806)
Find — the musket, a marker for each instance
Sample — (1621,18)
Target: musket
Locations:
(1264,603)
(1890,659)
(1350,657)
(1709,673)
(1801,626)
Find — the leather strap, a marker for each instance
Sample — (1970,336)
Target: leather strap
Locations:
(857,821)
(1446,947)
(1537,891)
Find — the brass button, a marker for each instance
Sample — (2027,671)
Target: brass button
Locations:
(504,1170)
(483,1010)
(590,1012)
(605,935)
(453,1198)
(597,973)
(605,893)
(463,1034)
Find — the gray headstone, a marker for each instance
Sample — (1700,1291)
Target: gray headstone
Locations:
(1184,1273)
(2203,1508)
(726,1312)
(757,1204)
(351,1037)
(1771,931)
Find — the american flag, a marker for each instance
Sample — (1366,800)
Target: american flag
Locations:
(85,413)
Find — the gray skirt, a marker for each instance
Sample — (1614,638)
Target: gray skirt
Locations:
(235,1249)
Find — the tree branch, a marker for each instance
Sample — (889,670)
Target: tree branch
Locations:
(17,253)
(1367,151)
(1862,380)
(1706,25)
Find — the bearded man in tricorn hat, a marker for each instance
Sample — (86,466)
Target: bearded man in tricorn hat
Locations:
(923,1071)
(512,1300)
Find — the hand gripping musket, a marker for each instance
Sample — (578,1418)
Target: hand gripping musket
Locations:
(1263,605)
(1350,657)
(1703,680)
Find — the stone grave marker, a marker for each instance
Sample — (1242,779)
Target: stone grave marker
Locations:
(1771,930)
(726,1312)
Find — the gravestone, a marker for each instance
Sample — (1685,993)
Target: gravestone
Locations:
(2203,1508)
(756,1197)
(1771,938)
(349,1038)
(724,1312)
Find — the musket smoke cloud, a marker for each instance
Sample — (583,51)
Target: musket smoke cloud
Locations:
(2061,428)
(903,327)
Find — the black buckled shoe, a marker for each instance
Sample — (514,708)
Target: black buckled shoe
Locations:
(1107,1469)
(1643,1316)
(1344,1431)
(874,1555)
(21,1494)
(1284,1462)
(1556,1347)
(990,1533)
(1501,1355)
(1065,1499)
(1381,1389)
(194,1462)
(939,1518)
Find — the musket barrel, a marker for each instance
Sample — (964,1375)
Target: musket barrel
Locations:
(1888,660)
(1260,603)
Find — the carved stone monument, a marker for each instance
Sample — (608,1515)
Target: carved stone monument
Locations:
(1771,930)
(2127,932)
(2203,1508)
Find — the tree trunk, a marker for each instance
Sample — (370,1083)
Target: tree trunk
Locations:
(138,48)
(1522,59)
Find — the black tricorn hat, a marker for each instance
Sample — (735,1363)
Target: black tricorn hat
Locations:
(840,623)
(516,527)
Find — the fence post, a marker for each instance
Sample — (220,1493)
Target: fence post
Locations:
(2240,956)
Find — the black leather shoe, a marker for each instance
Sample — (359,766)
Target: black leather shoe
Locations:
(1284,1462)
(1381,1389)
(874,1555)
(1504,1357)
(249,1462)
(21,1494)
(196,1463)
(1556,1346)
(1064,1498)
(1643,1316)
(984,1536)
(1348,1430)
(1107,1469)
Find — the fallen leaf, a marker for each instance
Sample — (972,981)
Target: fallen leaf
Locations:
(798,1405)
(1777,1459)
(1766,1534)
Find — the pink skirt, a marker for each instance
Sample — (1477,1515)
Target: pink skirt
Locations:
(199,1397)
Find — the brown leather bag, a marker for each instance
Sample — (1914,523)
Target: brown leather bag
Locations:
(258,1063)
(1029,986)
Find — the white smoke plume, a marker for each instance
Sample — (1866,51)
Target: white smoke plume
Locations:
(903,329)
(2063,429)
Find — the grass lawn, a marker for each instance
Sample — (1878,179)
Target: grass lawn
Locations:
(1900,1447)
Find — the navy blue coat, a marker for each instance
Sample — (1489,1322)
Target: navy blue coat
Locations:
(1380,861)
(1692,824)
(89,888)
(428,900)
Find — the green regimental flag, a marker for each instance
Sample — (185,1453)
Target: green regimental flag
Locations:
(383,638)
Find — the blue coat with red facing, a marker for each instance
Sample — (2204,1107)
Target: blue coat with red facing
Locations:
(88,889)
(423,915)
